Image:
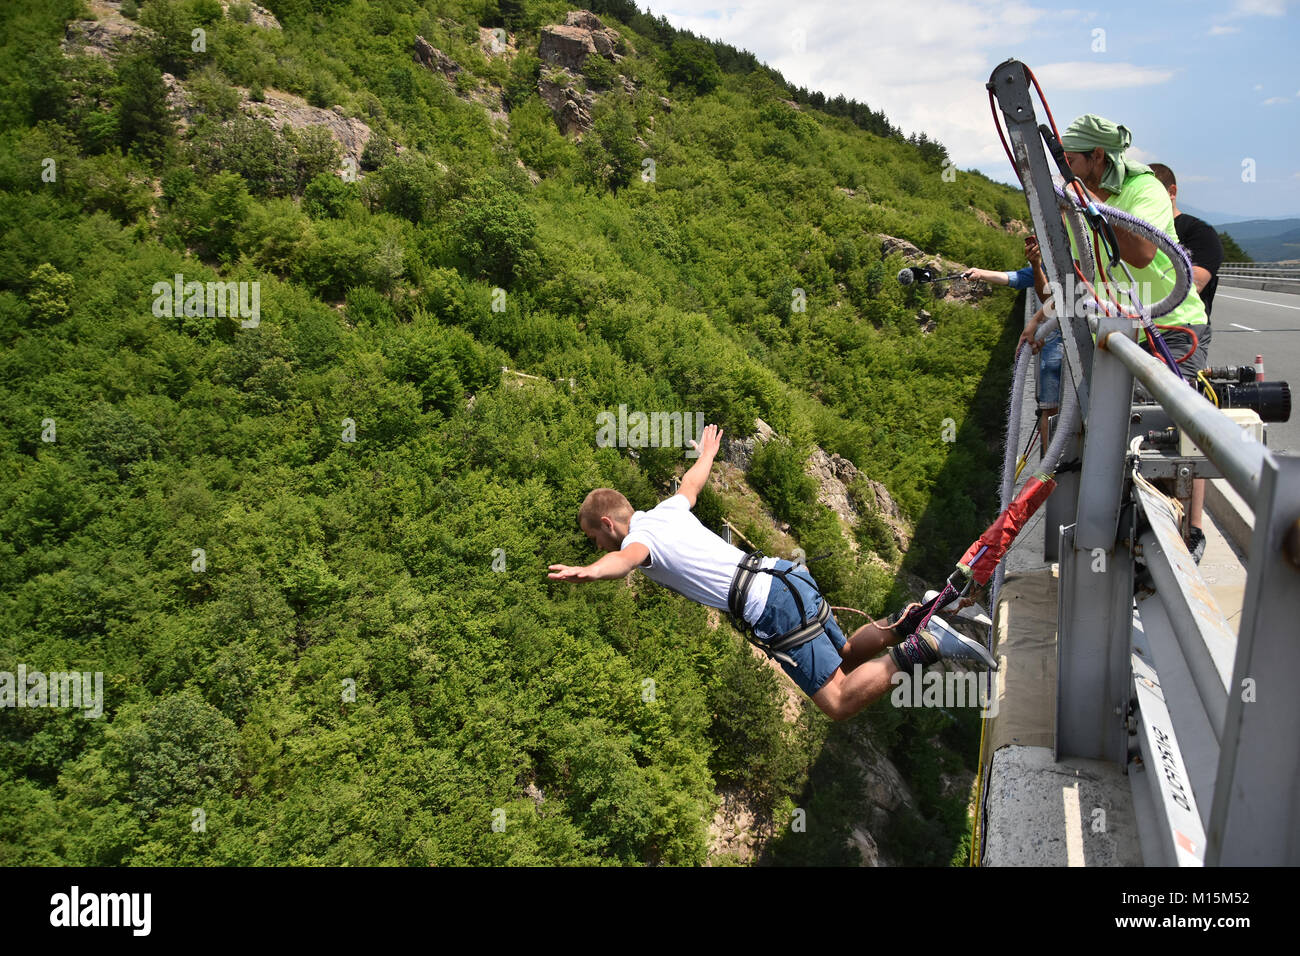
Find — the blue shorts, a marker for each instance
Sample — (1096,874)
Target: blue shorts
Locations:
(1049,372)
(815,660)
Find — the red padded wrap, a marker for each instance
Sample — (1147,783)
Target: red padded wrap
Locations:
(1003,531)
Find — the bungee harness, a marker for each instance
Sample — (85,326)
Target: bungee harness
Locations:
(777,647)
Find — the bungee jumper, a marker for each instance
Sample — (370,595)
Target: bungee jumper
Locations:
(774,602)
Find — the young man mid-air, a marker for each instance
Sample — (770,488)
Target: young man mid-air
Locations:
(782,605)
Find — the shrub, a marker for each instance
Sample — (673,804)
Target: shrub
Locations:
(495,232)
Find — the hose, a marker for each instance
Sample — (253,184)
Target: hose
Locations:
(1178,256)
(1007,488)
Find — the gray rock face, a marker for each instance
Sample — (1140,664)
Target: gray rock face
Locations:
(258,16)
(285,109)
(891,244)
(178,100)
(570,106)
(565,46)
(435,59)
(569,44)
(104,37)
(834,474)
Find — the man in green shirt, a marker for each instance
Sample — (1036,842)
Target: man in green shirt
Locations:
(1094,148)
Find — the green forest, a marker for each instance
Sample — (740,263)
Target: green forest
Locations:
(307,549)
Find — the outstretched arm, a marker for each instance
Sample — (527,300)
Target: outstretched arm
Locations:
(695,478)
(987,275)
(616,564)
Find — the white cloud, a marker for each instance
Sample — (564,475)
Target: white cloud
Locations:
(1100,76)
(1140,155)
(1274,100)
(1265,8)
(926,71)
(1257,87)
(1219,30)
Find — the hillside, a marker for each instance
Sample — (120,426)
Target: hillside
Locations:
(1266,240)
(305,541)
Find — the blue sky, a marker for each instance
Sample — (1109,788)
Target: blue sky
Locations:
(1205,85)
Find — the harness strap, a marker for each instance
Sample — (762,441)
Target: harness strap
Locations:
(746,570)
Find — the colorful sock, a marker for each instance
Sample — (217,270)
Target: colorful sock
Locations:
(913,651)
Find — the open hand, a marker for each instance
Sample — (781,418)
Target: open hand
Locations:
(710,441)
(565,572)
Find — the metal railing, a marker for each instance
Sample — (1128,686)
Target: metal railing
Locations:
(1205,722)
(1283,271)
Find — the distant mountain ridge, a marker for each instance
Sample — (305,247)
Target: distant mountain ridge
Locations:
(1266,240)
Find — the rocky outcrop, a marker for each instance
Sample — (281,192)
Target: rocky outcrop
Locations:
(834,475)
(891,244)
(258,16)
(284,109)
(435,59)
(570,106)
(732,832)
(581,35)
(495,41)
(178,99)
(107,34)
(105,37)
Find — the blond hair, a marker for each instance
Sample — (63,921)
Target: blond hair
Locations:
(603,502)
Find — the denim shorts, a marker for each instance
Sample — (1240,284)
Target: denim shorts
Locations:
(1049,372)
(815,660)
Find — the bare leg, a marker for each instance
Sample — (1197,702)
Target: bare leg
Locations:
(1196,508)
(1043,430)
(845,694)
(867,642)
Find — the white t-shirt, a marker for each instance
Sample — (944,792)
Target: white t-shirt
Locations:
(688,558)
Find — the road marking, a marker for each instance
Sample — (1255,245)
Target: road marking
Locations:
(1245,327)
(1240,298)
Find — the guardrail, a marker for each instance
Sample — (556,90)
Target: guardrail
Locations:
(1266,270)
(1265,276)
(1204,722)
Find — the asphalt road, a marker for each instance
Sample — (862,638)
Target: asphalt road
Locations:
(1247,323)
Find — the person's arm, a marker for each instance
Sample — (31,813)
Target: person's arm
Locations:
(988,275)
(698,474)
(1035,256)
(1031,330)
(616,564)
(1206,251)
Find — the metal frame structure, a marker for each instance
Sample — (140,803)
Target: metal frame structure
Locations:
(1204,720)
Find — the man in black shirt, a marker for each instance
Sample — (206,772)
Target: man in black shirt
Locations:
(1198,237)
